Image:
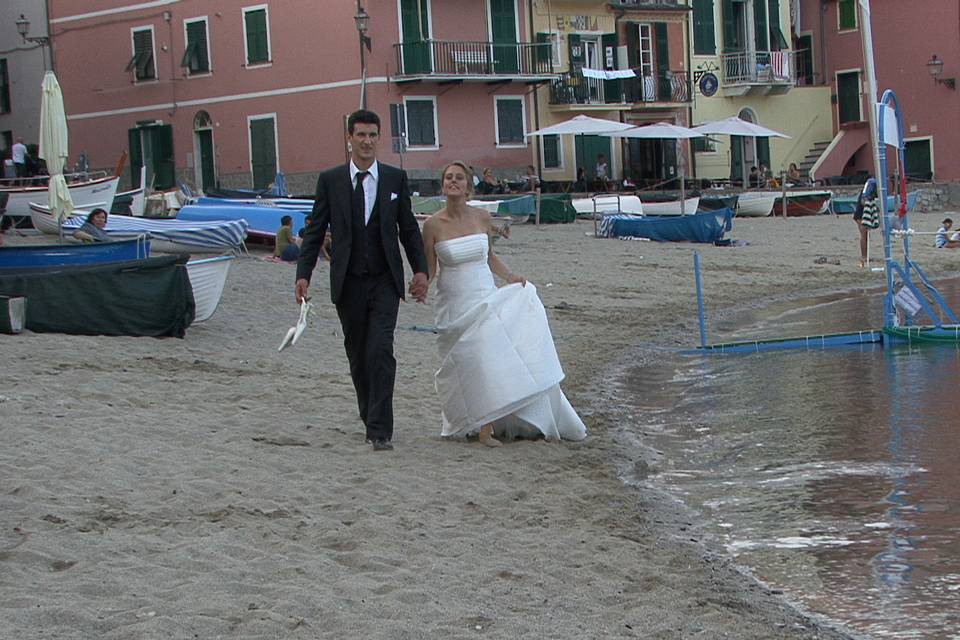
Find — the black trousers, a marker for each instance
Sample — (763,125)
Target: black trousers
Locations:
(368,309)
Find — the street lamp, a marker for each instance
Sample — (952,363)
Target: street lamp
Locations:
(935,68)
(362,19)
(23,28)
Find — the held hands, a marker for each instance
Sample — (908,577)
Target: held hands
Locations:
(419,286)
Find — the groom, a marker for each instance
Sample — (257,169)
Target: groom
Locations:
(367,205)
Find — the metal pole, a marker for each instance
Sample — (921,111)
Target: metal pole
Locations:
(879,155)
(700,312)
(363,66)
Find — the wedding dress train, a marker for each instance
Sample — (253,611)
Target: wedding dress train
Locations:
(498,363)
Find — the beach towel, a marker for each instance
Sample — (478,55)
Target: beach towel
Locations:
(780,63)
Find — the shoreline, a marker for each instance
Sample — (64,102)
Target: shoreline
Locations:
(209,486)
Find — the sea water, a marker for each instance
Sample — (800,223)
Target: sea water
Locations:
(832,475)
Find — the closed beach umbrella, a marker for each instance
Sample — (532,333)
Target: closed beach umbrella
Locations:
(734,126)
(53,145)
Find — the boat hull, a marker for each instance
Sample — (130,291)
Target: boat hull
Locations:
(85,195)
(801,204)
(27,256)
(672,208)
(207,279)
(262,220)
(755,205)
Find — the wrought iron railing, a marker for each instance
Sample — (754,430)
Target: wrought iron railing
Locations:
(466,58)
(665,86)
(758,67)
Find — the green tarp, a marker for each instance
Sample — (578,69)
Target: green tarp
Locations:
(150,297)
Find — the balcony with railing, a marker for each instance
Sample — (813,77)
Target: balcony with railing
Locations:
(757,72)
(459,60)
(660,89)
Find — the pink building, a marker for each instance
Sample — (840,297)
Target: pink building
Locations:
(906,37)
(228,93)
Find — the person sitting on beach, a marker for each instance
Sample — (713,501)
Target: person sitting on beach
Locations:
(754,178)
(93,229)
(944,239)
(327,239)
(287,248)
(489,184)
(793,174)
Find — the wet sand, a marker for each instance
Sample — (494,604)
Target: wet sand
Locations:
(211,487)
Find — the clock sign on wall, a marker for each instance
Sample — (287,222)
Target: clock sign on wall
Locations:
(709,84)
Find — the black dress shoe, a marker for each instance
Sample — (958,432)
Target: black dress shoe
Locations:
(382,445)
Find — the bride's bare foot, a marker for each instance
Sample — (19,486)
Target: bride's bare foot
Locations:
(486,437)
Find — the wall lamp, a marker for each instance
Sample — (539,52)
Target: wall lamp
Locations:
(935,68)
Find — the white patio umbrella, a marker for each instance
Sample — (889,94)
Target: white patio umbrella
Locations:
(53,146)
(581,125)
(662,131)
(734,126)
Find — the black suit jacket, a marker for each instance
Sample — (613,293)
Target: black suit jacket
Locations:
(332,209)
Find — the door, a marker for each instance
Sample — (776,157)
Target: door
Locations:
(648,80)
(743,156)
(587,150)
(848,97)
(206,169)
(591,52)
(415,26)
(503,31)
(263,152)
(804,57)
(653,162)
(611,88)
(152,146)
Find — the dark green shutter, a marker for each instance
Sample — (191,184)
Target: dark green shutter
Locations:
(4,87)
(664,90)
(197,39)
(503,26)
(510,121)
(420,123)
(761,26)
(848,13)
(736,160)
(551,152)
(206,161)
(918,159)
(543,51)
(611,88)
(848,97)
(263,152)
(164,168)
(704,39)
(415,30)
(136,157)
(777,40)
(257,50)
(143,54)
(730,40)
(763,152)
(576,52)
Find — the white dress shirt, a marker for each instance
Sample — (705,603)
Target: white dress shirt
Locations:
(369,187)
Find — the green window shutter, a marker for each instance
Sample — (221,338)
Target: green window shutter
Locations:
(543,48)
(918,158)
(420,123)
(763,151)
(510,121)
(142,63)
(736,159)
(848,14)
(164,169)
(198,62)
(576,52)
(731,42)
(551,152)
(4,87)
(664,90)
(136,156)
(257,50)
(761,27)
(704,40)
(848,97)
(776,33)
(611,88)
(263,152)
(633,44)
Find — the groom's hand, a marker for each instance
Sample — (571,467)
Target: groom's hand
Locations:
(302,290)
(419,286)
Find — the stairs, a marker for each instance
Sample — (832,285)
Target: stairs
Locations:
(812,156)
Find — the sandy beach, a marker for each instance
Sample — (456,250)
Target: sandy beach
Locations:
(211,487)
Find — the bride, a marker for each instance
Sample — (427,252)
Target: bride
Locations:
(499,371)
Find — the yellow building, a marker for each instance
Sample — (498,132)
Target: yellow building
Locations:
(744,63)
(625,61)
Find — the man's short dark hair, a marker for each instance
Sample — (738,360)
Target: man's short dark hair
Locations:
(947,221)
(362,116)
(285,220)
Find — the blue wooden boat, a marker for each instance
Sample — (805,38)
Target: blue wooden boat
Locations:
(707,226)
(262,220)
(30,256)
(848,204)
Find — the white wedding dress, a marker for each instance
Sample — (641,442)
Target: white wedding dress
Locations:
(498,363)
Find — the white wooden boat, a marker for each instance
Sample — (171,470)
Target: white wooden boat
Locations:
(671,208)
(44,222)
(207,278)
(85,195)
(755,204)
(609,204)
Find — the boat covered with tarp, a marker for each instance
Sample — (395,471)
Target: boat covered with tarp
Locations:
(59,255)
(707,226)
(148,297)
(262,220)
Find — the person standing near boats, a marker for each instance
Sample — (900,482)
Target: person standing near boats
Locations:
(368,203)
(20,157)
(867,216)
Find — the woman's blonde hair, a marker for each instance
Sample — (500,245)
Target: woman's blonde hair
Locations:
(466,171)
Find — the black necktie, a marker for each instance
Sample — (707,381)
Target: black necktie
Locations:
(358,197)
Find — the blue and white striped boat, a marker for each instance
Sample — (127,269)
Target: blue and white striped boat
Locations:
(297,204)
(170,236)
(262,220)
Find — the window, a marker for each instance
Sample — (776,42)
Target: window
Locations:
(703,145)
(263,149)
(142,62)
(4,87)
(421,122)
(552,152)
(848,97)
(847,15)
(551,53)
(256,35)
(510,122)
(196,55)
(918,156)
(704,38)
